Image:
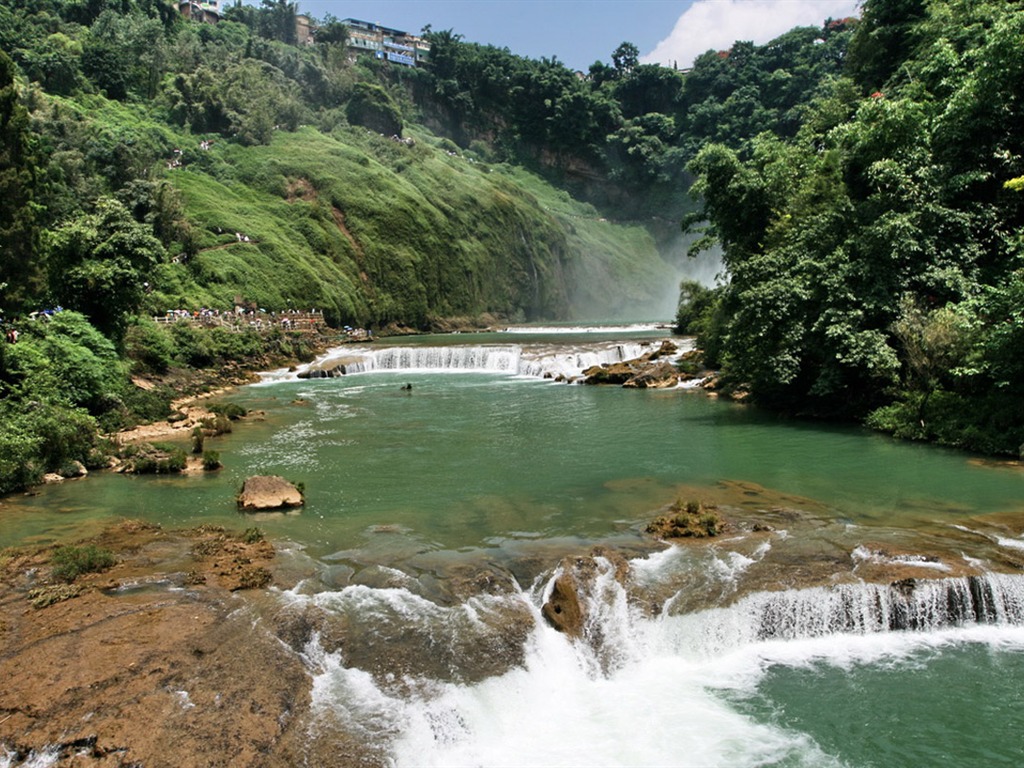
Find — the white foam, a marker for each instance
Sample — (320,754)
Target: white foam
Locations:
(649,691)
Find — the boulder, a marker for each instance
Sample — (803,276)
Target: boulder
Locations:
(576,586)
(74,469)
(666,349)
(609,373)
(329,369)
(690,520)
(262,492)
(563,610)
(655,376)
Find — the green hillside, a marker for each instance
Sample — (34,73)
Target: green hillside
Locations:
(373,231)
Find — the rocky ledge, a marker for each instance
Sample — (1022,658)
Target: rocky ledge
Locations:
(153,659)
(649,371)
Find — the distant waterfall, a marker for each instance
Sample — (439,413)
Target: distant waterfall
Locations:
(484,359)
(533,360)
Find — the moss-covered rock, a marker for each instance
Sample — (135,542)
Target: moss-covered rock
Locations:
(690,519)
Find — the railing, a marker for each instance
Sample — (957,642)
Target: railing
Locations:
(240,321)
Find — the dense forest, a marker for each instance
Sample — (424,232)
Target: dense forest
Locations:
(874,255)
(863,178)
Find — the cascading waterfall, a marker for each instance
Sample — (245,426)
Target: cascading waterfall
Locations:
(638,689)
(528,360)
(927,605)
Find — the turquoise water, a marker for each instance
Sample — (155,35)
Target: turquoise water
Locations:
(464,459)
(498,469)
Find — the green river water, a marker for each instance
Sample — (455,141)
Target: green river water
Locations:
(515,471)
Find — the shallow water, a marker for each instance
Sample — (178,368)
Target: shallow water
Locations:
(484,467)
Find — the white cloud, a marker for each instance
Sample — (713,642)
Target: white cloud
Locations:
(717,24)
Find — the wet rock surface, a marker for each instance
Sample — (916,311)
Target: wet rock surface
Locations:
(136,670)
(268,492)
(650,370)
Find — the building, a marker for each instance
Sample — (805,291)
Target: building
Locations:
(388,44)
(200,11)
(305,31)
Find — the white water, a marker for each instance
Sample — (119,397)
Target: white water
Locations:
(577,329)
(642,690)
(535,361)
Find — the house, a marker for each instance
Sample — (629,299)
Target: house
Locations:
(387,44)
(197,10)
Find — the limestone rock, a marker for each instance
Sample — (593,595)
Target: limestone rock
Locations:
(609,373)
(329,369)
(692,520)
(563,610)
(656,376)
(261,492)
(666,349)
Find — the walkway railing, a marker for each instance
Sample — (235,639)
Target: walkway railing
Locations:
(241,321)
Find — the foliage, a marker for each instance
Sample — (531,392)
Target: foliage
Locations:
(874,257)
(70,562)
(372,107)
(20,274)
(211,460)
(155,459)
(697,304)
(100,263)
(233,411)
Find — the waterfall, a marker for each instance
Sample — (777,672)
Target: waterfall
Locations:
(926,605)
(631,689)
(533,361)
(483,359)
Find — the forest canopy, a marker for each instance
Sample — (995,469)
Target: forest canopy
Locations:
(874,255)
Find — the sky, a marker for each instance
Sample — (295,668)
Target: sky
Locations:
(580,32)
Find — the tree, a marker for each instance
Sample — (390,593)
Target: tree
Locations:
(372,107)
(625,58)
(20,267)
(100,264)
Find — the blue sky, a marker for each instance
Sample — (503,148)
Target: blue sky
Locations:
(580,32)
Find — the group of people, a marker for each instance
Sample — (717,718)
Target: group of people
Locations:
(292,319)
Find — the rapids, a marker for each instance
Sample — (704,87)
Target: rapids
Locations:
(864,608)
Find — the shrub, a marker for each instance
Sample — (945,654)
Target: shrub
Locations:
(252,536)
(198,438)
(232,411)
(211,460)
(71,562)
(218,424)
(158,460)
(149,346)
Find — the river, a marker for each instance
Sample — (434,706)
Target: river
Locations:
(438,517)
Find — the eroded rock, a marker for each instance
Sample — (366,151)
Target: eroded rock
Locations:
(265,492)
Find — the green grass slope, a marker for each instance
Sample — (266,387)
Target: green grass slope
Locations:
(372,230)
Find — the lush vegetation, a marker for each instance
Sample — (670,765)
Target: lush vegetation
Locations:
(863,178)
(875,253)
(70,562)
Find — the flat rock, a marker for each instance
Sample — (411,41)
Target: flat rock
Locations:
(261,492)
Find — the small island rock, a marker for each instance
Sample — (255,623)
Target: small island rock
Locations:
(261,492)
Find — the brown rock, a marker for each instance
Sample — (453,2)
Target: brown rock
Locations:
(667,348)
(563,610)
(609,373)
(656,376)
(261,492)
(692,520)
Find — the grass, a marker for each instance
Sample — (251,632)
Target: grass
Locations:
(371,231)
(71,562)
